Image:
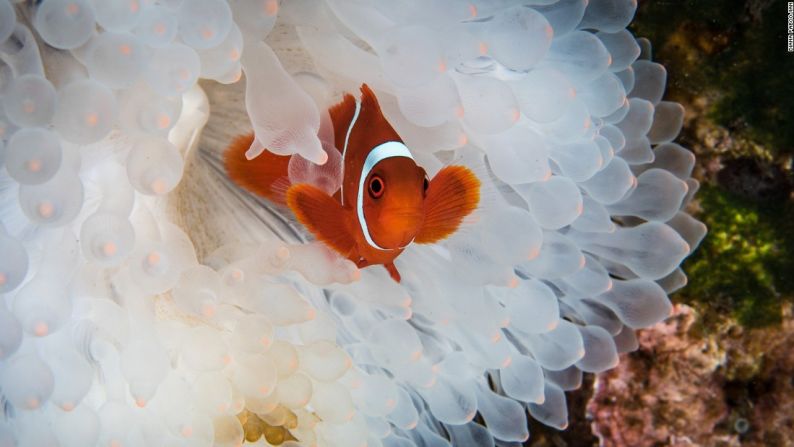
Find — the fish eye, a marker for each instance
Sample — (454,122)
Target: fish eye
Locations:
(425,185)
(376,187)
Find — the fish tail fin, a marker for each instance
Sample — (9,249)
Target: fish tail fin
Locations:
(264,176)
(452,195)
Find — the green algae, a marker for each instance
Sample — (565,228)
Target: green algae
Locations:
(732,51)
(727,62)
(744,267)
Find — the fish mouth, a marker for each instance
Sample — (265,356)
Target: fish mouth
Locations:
(397,241)
(400,227)
(406,240)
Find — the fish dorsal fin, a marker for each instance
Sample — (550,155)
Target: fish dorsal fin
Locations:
(379,130)
(341,115)
(452,195)
(323,216)
(369,101)
(360,127)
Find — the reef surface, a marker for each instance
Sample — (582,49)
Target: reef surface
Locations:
(718,372)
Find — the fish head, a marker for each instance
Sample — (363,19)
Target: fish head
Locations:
(394,201)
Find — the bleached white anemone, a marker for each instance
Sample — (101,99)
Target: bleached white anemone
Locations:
(145,301)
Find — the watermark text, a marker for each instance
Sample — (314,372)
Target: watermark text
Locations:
(790,28)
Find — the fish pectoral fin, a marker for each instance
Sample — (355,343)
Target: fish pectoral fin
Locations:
(452,195)
(323,216)
(392,269)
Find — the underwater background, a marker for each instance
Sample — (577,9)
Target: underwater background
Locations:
(719,372)
(141,306)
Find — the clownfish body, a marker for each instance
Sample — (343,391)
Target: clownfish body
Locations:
(386,201)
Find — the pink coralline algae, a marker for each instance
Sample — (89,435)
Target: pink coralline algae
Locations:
(683,387)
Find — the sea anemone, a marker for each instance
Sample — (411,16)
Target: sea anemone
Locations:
(146,300)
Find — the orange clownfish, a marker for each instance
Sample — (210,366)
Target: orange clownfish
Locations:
(386,200)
